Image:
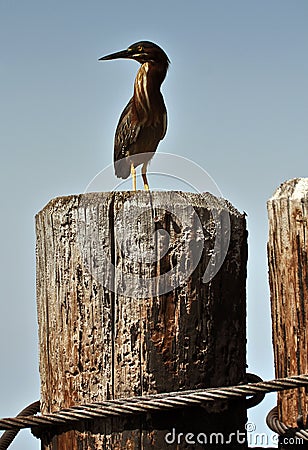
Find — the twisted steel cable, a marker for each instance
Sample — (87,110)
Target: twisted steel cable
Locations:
(8,436)
(280,428)
(149,403)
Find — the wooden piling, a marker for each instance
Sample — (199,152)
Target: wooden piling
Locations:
(123,311)
(288,277)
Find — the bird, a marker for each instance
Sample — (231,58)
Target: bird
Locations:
(143,122)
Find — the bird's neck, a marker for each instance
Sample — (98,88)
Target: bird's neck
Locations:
(148,100)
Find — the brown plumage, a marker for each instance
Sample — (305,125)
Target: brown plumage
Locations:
(143,123)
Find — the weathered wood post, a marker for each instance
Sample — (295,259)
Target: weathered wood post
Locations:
(123,311)
(288,276)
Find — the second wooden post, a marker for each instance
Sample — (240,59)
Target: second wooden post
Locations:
(288,276)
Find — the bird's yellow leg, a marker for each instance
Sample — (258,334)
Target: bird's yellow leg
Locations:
(144,177)
(133,174)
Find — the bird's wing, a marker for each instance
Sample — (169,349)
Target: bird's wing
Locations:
(164,128)
(126,133)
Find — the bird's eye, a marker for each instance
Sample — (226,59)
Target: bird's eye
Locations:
(140,48)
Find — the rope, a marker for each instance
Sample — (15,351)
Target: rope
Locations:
(149,403)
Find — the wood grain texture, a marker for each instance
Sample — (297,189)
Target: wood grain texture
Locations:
(100,338)
(288,277)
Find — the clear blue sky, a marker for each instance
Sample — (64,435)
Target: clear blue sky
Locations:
(237,99)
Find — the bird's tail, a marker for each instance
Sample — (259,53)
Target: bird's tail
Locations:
(122,168)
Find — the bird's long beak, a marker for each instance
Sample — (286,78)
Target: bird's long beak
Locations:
(117,55)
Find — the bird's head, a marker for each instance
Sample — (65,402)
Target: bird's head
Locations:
(143,51)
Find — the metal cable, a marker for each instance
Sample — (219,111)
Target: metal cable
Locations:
(8,436)
(257,398)
(148,403)
(280,428)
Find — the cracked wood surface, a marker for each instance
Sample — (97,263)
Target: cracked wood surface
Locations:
(288,277)
(100,339)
